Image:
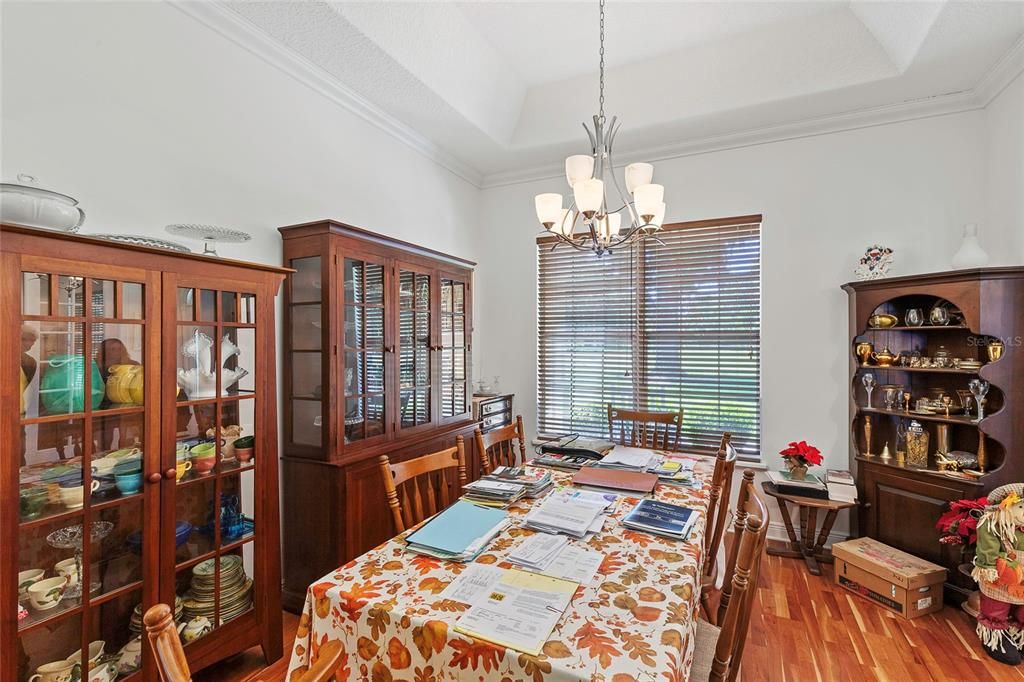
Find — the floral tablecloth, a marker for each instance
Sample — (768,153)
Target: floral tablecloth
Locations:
(636,621)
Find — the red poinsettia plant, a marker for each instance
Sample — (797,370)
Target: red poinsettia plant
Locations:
(959,525)
(801,454)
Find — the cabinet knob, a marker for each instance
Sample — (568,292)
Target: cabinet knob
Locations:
(154,477)
(169,474)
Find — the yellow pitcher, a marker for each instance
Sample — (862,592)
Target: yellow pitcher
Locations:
(124,385)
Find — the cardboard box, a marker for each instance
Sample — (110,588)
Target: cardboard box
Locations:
(900,582)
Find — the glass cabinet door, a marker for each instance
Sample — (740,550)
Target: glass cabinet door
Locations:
(305,387)
(455,347)
(364,370)
(216,461)
(415,346)
(88,424)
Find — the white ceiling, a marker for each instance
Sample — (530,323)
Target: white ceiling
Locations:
(499,89)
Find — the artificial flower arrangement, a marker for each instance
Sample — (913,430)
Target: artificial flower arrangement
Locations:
(959,525)
(798,456)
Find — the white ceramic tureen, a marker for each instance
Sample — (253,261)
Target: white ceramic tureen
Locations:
(24,203)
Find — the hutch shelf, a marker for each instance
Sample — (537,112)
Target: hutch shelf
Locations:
(377,351)
(130,374)
(903,496)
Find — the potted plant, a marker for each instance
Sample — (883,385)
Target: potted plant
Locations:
(244,447)
(798,457)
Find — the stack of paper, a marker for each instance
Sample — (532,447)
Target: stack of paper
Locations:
(661,518)
(841,486)
(628,459)
(459,533)
(572,515)
(519,612)
(553,555)
(679,471)
(537,481)
(810,486)
(493,493)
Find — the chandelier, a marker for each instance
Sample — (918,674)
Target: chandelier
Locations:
(640,211)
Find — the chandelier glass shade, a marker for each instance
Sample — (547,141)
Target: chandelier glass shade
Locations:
(607,217)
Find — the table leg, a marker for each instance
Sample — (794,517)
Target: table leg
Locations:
(820,553)
(793,550)
(809,527)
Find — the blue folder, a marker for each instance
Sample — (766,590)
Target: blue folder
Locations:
(454,529)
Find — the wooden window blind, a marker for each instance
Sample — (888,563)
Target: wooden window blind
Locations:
(660,327)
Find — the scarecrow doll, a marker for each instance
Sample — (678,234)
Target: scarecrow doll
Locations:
(999,570)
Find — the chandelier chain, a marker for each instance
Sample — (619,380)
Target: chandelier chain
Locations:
(600,111)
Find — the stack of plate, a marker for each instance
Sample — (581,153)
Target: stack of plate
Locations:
(235,590)
(135,624)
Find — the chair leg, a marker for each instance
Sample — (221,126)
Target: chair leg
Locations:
(705,608)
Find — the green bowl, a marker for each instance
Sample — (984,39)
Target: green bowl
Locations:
(204,450)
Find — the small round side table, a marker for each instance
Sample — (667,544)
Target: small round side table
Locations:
(804,546)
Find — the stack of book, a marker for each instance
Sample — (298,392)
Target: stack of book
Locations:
(841,486)
(536,481)
(459,533)
(562,461)
(661,518)
(809,486)
(493,493)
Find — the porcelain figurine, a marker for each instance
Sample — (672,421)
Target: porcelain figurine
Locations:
(201,381)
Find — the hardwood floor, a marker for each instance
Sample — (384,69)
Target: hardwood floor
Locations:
(803,628)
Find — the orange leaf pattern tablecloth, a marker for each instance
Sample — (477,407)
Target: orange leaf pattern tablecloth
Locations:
(636,621)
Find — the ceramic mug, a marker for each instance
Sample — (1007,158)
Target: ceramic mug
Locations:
(72,496)
(180,469)
(58,671)
(46,594)
(69,570)
(27,579)
(204,465)
(130,483)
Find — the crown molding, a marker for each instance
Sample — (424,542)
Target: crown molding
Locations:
(1002,74)
(942,105)
(247,35)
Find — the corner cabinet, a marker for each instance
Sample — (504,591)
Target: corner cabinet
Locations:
(377,356)
(976,334)
(131,377)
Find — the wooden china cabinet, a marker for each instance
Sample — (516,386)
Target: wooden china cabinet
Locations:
(377,361)
(115,359)
(978,337)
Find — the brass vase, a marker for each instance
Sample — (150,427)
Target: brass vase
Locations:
(863,350)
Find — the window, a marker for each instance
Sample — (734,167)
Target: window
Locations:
(663,326)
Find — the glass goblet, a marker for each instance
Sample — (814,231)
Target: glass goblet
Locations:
(869,385)
(914,317)
(979,389)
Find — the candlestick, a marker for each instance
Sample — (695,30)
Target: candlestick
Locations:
(867,437)
(982,455)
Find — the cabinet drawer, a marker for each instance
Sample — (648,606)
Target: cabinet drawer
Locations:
(494,407)
(496,420)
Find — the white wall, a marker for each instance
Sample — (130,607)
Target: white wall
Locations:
(149,117)
(1004,119)
(824,199)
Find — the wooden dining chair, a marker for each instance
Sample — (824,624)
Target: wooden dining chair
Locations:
(172,665)
(718,514)
(419,488)
(640,429)
(718,650)
(498,447)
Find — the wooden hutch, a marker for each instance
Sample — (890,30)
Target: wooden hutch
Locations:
(378,343)
(117,357)
(900,504)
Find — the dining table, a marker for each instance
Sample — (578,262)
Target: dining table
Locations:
(636,620)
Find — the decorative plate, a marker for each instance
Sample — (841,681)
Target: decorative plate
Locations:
(208,233)
(141,240)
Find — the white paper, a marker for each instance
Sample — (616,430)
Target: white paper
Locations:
(520,612)
(538,550)
(573,515)
(575,563)
(634,458)
(604,499)
(473,584)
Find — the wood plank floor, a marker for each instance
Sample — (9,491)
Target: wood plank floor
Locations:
(803,628)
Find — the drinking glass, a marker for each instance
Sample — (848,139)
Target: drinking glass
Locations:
(915,317)
(939,316)
(979,389)
(889,396)
(869,385)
